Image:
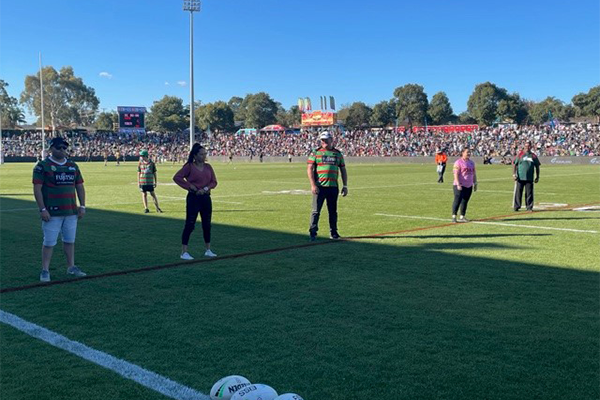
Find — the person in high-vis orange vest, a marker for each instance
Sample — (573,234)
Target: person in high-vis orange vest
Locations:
(441,159)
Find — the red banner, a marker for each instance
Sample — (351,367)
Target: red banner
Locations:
(319,118)
(440,128)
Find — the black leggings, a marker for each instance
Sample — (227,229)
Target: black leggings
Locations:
(461,198)
(197,204)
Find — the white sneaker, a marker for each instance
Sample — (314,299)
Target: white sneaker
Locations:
(209,254)
(186,256)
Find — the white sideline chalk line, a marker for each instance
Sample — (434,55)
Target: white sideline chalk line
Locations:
(496,191)
(490,223)
(127,370)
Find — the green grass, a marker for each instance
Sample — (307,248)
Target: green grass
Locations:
(469,311)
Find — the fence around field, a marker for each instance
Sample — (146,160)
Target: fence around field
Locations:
(349,160)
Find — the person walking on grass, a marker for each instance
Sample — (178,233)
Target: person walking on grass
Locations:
(147,180)
(198,178)
(523,166)
(324,166)
(441,159)
(56,183)
(465,183)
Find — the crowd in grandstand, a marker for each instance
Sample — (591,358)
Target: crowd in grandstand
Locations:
(500,143)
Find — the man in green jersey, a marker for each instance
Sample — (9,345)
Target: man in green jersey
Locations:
(523,167)
(147,180)
(324,166)
(56,180)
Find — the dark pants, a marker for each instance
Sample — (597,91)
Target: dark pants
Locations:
(331,195)
(441,173)
(519,185)
(461,198)
(197,204)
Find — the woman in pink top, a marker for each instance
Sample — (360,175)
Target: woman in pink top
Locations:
(198,178)
(465,182)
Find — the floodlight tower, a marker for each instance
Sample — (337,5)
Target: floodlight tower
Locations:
(191,6)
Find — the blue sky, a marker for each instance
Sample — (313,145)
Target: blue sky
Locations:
(355,51)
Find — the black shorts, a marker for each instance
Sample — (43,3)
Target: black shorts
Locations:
(147,188)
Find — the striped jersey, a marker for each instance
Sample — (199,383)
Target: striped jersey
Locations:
(328,166)
(146,171)
(58,185)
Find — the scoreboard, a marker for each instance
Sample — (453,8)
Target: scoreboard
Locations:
(131,119)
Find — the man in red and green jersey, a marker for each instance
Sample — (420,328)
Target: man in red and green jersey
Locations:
(324,166)
(147,180)
(56,181)
(523,166)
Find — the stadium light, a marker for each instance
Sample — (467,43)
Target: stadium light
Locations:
(191,6)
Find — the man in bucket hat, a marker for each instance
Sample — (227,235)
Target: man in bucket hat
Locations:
(147,180)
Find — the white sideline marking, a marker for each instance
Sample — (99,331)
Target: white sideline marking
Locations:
(498,191)
(491,223)
(127,370)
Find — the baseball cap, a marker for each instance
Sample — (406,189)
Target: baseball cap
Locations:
(144,153)
(325,135)
(57,141)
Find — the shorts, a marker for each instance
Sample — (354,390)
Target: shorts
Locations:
(65,225)
(147,188)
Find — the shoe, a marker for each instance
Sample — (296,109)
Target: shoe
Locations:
(75,271)
(463,219)
(45,276)
(158,210)
(146,211)
(454,219)
(334,236)
(516,209)
(209,253)
(186,256)
(312,238)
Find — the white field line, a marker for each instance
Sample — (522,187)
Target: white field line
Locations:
(491,223)
(127,370)
(495,191)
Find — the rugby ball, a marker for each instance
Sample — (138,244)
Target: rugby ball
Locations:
(226,387)
(289,396)
(256,391)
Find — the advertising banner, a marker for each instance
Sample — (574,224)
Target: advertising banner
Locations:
(319,118)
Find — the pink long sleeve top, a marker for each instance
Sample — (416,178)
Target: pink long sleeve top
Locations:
(191,175)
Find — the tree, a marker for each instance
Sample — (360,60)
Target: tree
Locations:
(588,104)
(466,118)
(106,120)
(483,102)
(218,116)
(440,110)
(258,110)
(12,114)
(513,108)
(540,112)
(359,115)
(383,114)
(167,115)
(234,103)
(67,100)
(411,103)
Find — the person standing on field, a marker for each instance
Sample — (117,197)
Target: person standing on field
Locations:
(147,180)
(441,159)
(465,183)
(198,178)
(324,166)
(523,166)
(56,184)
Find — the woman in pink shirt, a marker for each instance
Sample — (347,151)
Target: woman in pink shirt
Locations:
(465,182)
(198,178)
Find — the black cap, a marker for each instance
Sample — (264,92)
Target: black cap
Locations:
(57,141)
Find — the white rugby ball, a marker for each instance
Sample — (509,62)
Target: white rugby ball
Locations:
(256,391)
(226,387)
(289,396)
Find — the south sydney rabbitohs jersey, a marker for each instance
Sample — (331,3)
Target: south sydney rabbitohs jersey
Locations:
(58,185)
(146,171)
(328,163)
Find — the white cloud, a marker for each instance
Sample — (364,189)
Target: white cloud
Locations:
(181,83)
(167,83)
(105,74)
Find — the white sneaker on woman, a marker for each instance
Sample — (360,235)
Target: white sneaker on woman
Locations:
(186,256)
(209,254)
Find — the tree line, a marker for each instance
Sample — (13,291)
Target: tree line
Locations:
(68,101)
